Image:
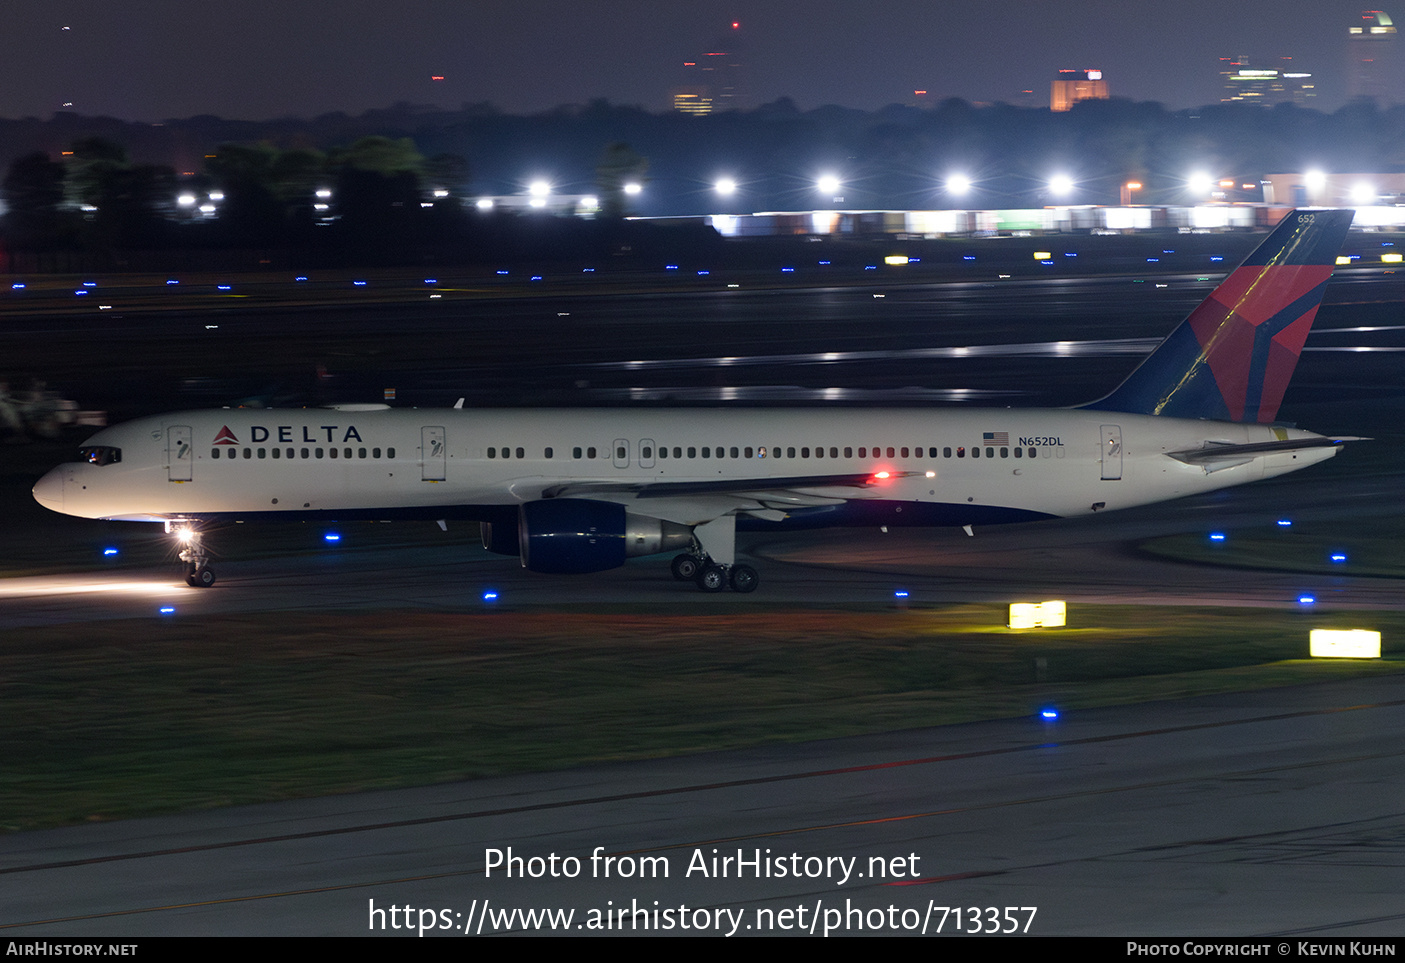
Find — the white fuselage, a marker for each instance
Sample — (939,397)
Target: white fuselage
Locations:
(961,466)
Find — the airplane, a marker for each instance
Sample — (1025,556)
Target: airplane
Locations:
(582,490)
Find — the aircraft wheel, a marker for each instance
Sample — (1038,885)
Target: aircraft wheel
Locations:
(686,567)
(713,578)
(201,578)
(744,578)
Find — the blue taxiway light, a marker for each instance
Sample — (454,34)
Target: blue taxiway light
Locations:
(786,270)
(223,287)
(17,286)
(1216,257)
(870,267)
(587,270)
(359,284)
(332,537)
(300,278)
(1049,715)
(172,281)
(109,551)
(81,291)
(502,272)
(1285,523)
(431,280)
(703,273)
(167,610)
(536,277)
(90,284)
(1153,260)
(490,596)
(1217,536)
(1337,558)
(900,594)
(670,267)
(824,262)
(968,257)
(1306,599)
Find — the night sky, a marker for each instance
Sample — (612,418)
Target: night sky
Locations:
(258,59)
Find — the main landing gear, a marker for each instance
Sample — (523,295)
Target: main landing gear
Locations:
(197,564)
(709,576)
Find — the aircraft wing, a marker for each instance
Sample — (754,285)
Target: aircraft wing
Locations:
(755,487)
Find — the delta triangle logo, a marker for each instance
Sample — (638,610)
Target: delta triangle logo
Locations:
(226,437)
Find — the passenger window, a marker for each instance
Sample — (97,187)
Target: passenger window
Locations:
(804,453)
(848,453)
(332,452)
(263,452)
(375,452)
(575,452)
(946,452)
(706,452)
(975,453)
(214,453)
(735,453)
(904,452)
(678,452)
(1004,453)
(863,452)
(521,453)
(318,452)
(248,453)
(304,452)
(360,453)
(790,453)
(546,453)
(278,452)
(590,453)
(646,452)
(492,453)
(692,452)
(390,453)
(960,452)
(891,453)
(1019,452)
(990,452)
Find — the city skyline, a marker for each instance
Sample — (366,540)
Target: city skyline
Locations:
(256,59)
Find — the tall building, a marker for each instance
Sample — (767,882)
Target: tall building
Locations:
(1071,86)
(1374,69)
(1243,83)
(716,80)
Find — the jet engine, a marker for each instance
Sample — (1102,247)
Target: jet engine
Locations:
(574,535)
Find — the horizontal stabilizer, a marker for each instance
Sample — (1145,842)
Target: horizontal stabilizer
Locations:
(1214,452)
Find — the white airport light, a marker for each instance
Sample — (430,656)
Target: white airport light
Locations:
(828,184)
(1200,183)
(726,187)
(215,195)
(441,193)
(324,192)
(958,184)
(484,204)
(1315,180)
(537,202)
(632,188)
(1363,193)
(539,188)
(1344,644)
(896,259)
(1061,185)
(1038,615)
(186,200)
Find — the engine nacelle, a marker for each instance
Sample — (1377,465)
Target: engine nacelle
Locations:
(575,535)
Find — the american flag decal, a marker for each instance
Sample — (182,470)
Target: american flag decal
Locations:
(996,437)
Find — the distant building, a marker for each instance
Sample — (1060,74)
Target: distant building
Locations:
(716,80)
(1071,86)
(1243,83)
(692,100)
(1374,71)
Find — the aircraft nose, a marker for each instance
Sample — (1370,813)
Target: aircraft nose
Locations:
(48,491)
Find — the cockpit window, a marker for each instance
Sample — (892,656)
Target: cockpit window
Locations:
(100,455)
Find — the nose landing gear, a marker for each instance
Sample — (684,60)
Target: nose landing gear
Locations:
(198,573)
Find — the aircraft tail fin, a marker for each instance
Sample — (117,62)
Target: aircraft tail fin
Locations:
(1232,358)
